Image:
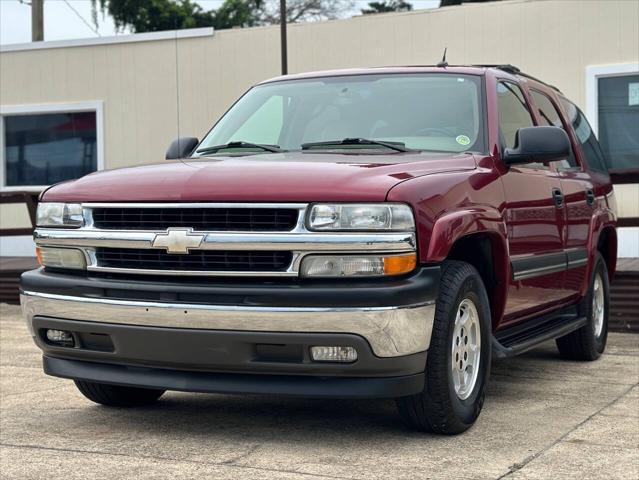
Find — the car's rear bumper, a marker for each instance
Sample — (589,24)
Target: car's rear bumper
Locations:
(261,347)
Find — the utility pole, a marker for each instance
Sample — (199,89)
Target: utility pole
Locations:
(37,20)
(283,36)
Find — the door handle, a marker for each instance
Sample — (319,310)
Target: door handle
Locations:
(558,195)
(590,197)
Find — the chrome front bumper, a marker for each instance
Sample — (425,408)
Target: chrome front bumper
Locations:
(390,331)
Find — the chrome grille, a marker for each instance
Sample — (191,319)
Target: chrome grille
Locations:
(199,219)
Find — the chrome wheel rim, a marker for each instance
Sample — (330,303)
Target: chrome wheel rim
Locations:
(598,306)
(466,349)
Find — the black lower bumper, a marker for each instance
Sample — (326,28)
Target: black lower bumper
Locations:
(224,361)
(222,351)
(189,381)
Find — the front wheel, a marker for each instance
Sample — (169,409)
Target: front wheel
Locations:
(458,363)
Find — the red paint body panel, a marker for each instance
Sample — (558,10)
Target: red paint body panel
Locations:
(454,196)
(282,177)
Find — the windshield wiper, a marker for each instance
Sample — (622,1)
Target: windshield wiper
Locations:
(240,144)
(397,146)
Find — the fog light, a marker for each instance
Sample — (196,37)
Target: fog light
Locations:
(61,338)
(333,354)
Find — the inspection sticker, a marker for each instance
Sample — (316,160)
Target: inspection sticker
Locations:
(463,140)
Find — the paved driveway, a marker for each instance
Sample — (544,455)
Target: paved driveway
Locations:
(543,418)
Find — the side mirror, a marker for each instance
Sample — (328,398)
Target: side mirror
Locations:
(538,144)
(181,148)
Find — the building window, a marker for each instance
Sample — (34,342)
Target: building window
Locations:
(618,120)
(49,144)
(612,106)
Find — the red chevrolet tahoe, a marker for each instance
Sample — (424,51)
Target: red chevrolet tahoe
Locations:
(372,233)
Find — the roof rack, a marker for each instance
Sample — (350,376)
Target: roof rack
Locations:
(516,71)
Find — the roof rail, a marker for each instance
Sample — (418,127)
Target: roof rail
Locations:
(516,71)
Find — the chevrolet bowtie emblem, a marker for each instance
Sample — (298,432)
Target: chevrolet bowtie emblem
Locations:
(177,240)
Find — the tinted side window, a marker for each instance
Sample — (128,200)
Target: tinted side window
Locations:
(585,136)
(550,116)
(513,112)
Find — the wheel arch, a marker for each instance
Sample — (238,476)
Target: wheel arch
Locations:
(607,246)
(476,236)
(603,239)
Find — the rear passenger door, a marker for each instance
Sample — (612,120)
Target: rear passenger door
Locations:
(579,196)
(534,218)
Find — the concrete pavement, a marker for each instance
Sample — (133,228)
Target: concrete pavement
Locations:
(544,418)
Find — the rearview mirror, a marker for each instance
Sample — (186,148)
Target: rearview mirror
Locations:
(539,145)
(181,148)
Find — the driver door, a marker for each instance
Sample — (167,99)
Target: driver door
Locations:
(535,219)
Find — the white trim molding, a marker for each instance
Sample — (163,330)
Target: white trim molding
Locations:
(135,37)
(96,106)
(593,73)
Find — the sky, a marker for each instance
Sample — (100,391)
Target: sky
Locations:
(69,19)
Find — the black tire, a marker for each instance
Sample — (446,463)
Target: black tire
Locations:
(117,396)
(438,408)
(584,344)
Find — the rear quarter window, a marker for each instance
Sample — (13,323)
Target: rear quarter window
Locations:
(585,136)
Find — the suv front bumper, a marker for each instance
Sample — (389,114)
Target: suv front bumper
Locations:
(254,345)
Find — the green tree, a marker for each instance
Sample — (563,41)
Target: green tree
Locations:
(155,15)
(387,6)
(447,3)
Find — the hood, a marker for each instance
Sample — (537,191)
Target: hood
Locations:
(281,177)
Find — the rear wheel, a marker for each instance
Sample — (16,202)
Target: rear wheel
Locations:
(458,362)
(117,396)
(589,342)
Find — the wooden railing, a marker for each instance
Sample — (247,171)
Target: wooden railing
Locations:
(28,198)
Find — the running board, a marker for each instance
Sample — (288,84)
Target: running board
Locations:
(520,338)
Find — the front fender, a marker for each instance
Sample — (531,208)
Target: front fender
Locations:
(454,225)
(470,223)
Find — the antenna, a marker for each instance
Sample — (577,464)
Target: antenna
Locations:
(443,63)
(177,82)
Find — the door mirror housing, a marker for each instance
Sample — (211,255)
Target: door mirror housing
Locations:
(181,148)
(539,145)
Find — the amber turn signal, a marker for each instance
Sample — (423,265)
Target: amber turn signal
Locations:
(399,264)
(39,256)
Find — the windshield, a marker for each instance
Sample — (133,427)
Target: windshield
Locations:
(438,112)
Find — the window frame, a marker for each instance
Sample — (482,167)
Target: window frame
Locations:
(567,127)
(96,106)
(533,116)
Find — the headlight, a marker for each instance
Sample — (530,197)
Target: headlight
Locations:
(357,265)
(59,215)
(61,258)
(362,216)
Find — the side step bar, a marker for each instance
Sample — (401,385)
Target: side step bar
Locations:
(520,338)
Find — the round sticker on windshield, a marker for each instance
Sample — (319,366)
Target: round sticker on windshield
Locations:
(463,140)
